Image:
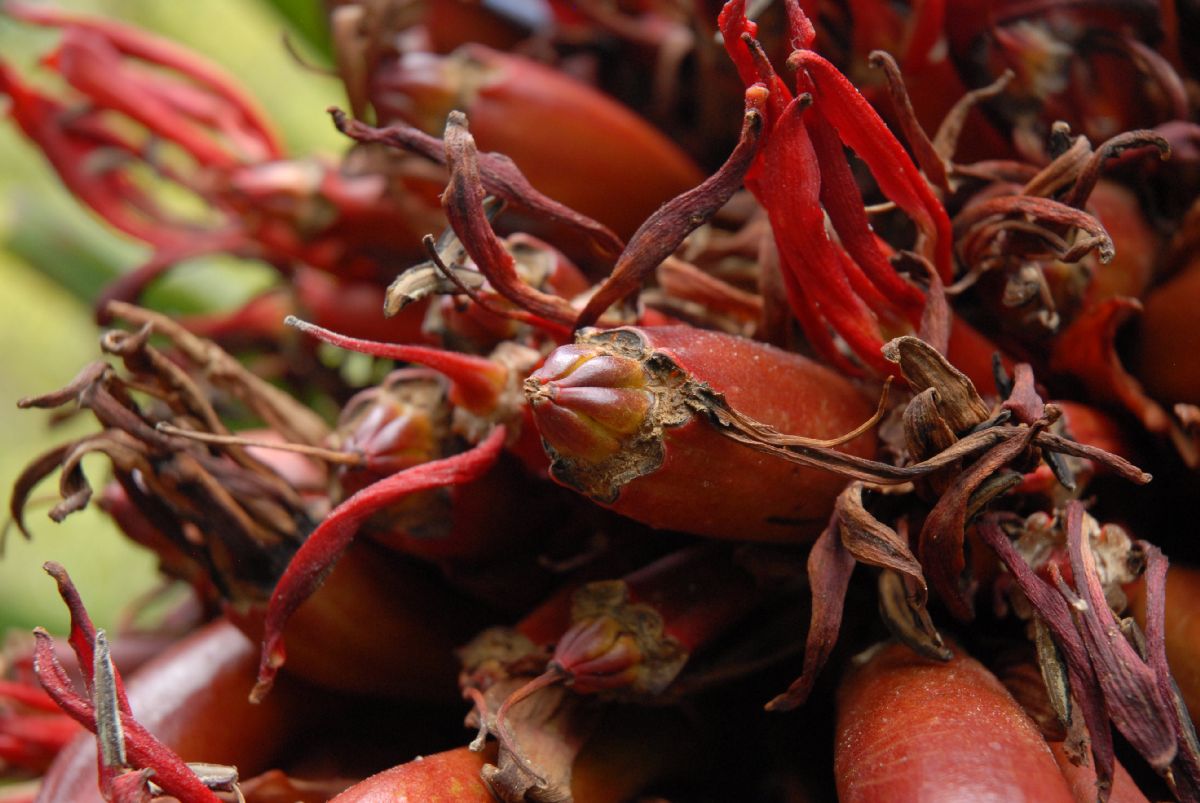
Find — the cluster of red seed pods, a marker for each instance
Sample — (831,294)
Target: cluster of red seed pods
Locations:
(682,317)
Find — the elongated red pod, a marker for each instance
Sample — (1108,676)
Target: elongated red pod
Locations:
(543,119)
(193,698)
(622,416)
(448,777)
(636,748)
(909,728)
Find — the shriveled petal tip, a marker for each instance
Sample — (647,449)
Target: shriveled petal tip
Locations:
(829,568)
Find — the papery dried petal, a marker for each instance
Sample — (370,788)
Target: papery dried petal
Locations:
(829,569)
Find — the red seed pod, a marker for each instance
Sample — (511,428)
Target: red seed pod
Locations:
(449,777)
(543,120)
(622,414)
(909,728)
(635,634)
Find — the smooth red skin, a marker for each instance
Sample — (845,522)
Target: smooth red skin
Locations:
(449,777)
(543,119)
(378,626)
(1170,339)
(711,485)
(194,698)
(635,749)
(1082,780)
(909,728)
(1182,629)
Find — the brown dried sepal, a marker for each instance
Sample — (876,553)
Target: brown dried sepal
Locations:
(540,727)
(602,460)
(957,400)
(499,653)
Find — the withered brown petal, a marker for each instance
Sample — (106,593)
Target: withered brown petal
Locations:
(1186,771)
(1024,400)
(661,233)
(1130,688)
(500,176)
(924,367)
(908,621)
(1056,614)
(941,540)
(33,473)
(829,569)
(463,204)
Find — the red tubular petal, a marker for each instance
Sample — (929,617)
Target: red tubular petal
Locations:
(843,201)
(142,749)
(83,632)
(316,557)
(792,199)
(28,696)
(97,70)
(477,381)
(141,45)
(861,128)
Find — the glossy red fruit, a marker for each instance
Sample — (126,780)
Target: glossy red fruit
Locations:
(622,414)
(543,119)
(909,728)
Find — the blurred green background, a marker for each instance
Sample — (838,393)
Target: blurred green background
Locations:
(54,256)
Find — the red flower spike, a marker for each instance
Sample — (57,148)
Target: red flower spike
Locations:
(863,130)
(241,120)
(476,382)
(69,148)
(811,261)
(802,175)
(320,551)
